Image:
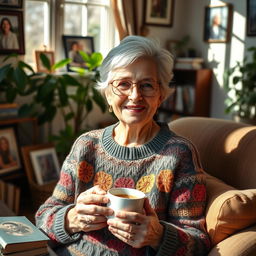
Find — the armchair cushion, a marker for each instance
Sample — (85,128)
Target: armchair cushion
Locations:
(228,210)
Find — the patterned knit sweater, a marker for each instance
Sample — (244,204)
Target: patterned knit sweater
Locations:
(167,169)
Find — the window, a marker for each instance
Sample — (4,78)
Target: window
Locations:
(47,20)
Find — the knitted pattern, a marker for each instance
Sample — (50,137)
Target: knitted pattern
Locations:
(167,169)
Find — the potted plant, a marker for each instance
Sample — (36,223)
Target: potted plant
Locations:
(49,93)
(240,85)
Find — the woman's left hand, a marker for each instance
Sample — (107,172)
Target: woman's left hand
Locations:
(136,229)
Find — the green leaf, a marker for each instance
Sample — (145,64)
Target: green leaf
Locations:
(79,70)
(45,61)
(11,94)
(20,78)
(4,71)
(26,110)
(46,89)
(61,64)
(24,65)
(70,80)
(63,95)
(85,56)
(69,116)
(88,105)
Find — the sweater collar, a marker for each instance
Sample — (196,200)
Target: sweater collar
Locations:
(135,153)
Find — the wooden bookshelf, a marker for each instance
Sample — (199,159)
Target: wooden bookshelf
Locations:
(192,95)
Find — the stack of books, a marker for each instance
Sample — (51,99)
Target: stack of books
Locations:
(19,237)
(189,63)
(8,110)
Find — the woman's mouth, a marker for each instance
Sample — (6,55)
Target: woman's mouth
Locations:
(135,108)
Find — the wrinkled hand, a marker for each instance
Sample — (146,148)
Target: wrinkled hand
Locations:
(88,214)
(136,229)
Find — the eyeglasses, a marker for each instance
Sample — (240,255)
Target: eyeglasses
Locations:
(123,87)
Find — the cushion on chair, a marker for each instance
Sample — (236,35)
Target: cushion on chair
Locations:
(228,210)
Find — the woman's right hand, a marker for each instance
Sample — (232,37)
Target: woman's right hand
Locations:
(88,214)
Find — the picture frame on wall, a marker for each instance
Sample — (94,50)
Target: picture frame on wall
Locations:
(74,44)
(45,165)
(11,3)
(251,18)
(11,32)
(39,65)
(217,23)
(158,12)
(9,155)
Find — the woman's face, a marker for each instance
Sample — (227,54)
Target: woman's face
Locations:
(135,108)
(6,26)
(4,144)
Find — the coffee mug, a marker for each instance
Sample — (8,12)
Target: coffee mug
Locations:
(125,199)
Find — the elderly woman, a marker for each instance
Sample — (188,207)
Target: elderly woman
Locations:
(136,152)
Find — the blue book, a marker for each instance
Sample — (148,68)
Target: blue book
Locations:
(17,233)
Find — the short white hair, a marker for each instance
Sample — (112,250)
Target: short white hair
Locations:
(128,51)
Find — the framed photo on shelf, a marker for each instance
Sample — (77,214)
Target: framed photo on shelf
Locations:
(74,44)
(9,155)
(158,13)
(12,36)
(251,18)
(217,23)
(39,65)
(45,164)
(11,3)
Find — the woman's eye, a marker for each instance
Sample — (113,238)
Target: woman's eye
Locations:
(124,84)
(146,86)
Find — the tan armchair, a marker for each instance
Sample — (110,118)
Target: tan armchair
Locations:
(228,154)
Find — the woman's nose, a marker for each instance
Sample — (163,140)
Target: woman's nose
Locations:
(135,92)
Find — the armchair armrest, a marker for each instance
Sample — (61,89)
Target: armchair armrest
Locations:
(242,243)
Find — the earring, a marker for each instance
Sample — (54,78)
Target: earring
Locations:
(110,109)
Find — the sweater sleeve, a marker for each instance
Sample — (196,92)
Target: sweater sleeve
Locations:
(184,228)
(50,217)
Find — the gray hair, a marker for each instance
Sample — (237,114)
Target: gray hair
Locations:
(128,51)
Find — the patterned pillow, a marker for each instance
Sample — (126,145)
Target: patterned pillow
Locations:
(228,210)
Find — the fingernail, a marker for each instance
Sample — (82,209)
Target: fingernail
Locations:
(110,212)
(105,200)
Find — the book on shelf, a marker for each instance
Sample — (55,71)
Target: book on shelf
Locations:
(8,110)
(185,98)
(18,234)
(189,63)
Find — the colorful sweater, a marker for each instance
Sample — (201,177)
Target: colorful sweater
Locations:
(167,169)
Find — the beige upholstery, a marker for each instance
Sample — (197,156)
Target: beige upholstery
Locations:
(228,152)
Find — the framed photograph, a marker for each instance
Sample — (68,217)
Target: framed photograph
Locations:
(217,23)
(158,12)
(11,32)
(45,164)
(9,155)
(11,3)
(74,44)
(251,18)
(39,64)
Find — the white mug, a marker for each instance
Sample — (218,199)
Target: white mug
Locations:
(125,199)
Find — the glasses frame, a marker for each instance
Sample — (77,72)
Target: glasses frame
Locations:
(117,92)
